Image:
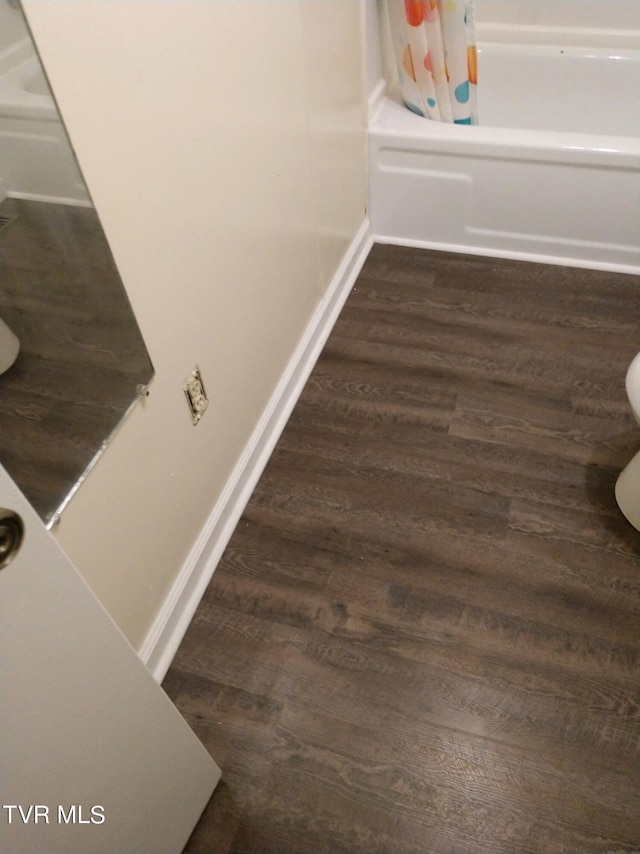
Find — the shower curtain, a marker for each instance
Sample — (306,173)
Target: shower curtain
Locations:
(435,51)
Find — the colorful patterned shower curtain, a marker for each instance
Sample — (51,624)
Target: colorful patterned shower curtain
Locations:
(435,51)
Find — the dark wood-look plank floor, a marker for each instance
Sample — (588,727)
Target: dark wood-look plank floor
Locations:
(81,354)
(423,635)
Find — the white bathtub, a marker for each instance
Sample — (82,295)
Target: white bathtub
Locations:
(37,159)
(552,173)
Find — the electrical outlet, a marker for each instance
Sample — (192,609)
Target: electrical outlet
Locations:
(196,395)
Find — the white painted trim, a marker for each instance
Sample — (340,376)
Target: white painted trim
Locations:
(166,633)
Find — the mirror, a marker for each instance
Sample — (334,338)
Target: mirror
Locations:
(82,363)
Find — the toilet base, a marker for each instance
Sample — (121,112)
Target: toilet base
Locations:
(628,491)
(9,347)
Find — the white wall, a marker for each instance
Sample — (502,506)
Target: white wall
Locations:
(223,144)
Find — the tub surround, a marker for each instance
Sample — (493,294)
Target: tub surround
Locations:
(585,16)
(548,178)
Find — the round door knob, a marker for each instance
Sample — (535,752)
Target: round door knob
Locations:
(11,536)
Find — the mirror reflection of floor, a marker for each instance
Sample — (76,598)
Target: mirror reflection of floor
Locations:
(81,353)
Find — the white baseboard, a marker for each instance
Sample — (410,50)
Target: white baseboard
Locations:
(163,639)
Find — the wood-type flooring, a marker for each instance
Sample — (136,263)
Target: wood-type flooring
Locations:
(81,352)
(423,635)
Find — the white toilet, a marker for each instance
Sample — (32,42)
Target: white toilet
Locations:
(9,347)
(628,484)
